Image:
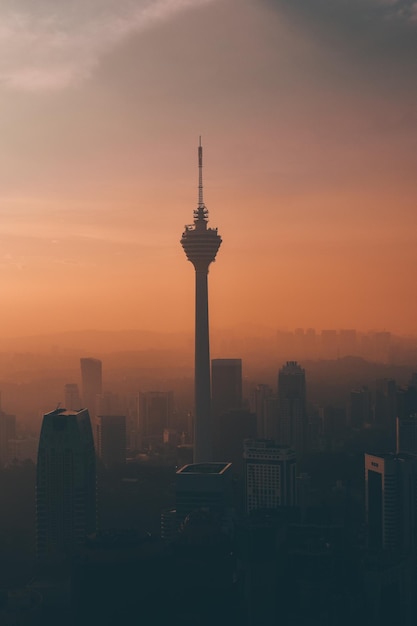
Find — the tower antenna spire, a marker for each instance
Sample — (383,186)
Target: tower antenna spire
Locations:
(200,175)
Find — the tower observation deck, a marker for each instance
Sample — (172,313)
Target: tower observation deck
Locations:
(200,245)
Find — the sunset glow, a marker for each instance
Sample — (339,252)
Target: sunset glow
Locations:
(309,131)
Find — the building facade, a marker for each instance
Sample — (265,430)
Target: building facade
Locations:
(111,439)
(65,485)
(391,501)
(270,475)
(226,385)
(292,411)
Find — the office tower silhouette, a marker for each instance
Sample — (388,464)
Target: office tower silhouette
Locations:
(201,244)
(406,401)
(111,439)
(155,409)
(391,501)
(72,399)
(360,407)
(270,480)
(406,434)
(230,429)
(226,385)
(385,402)
(92,385)
(292,413)
(259,405)
(7,435)
(65,485)
(204,486)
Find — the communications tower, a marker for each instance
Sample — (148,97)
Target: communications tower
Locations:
(201,244)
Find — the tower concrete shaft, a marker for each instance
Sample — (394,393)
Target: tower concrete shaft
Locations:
(201,244)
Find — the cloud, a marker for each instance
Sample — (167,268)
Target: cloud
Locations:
(384,29)
(50,45)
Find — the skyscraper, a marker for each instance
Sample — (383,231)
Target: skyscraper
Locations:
(292,418)
(91,379)
(226,383)
(201,244)
(406,434)
(259,404)
(155,409)
(204,486)
(391,501)
(269,475)
(111,439)
(65,485)
(7,435)
(72,398)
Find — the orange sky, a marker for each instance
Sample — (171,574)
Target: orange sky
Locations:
(309,131)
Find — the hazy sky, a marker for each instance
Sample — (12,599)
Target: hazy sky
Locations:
(308,113)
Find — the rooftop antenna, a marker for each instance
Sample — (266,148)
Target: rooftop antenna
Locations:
(200,175)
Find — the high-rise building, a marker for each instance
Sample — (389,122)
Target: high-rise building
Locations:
(329,344)
(347,342)
(108,403)
(65,485)
(72,399)
(360,407)
(270,475)
(406,434)
(391,501)
(406,401)
(201,244)
(7,435)
(259,405)
(226,385)
(204,486)
(292,412)
(386,402)
(155,409)
(230,429)
(92,384)
(111,439)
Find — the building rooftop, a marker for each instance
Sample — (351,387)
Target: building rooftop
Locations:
(205,468)
(64,412)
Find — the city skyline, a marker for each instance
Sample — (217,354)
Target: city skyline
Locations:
(308,120)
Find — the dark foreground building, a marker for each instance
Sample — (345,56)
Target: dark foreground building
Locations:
(65,485)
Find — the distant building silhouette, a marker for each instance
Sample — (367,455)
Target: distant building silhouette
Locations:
(386,403)
(72,398)
(260,406)
(292,418)
(226,384)
(329,344)
(92,384)
(65,485)
(201,244)
(111,439)
(108,403)
(270,475)
(406,434)
(406,401)
(7,435)
(230,429)
(360,407)
(155,409)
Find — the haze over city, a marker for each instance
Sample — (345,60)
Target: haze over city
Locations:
(307,113)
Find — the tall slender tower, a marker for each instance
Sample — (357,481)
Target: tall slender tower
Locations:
(200,244)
